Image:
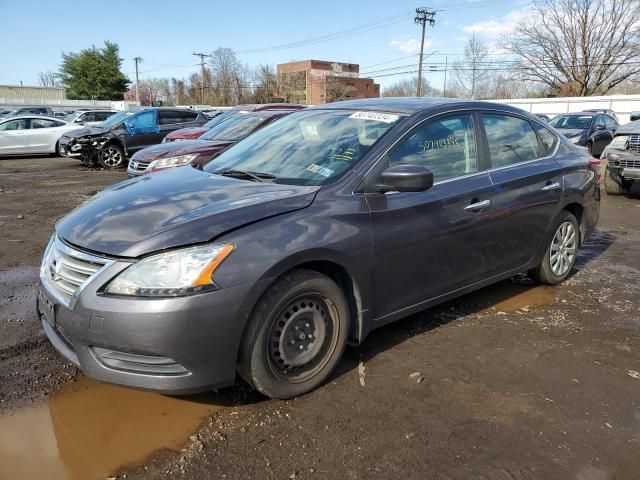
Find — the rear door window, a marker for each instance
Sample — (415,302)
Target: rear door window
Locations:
(446,146)
(548,139)
(511,140)
(44,123)
(171,117)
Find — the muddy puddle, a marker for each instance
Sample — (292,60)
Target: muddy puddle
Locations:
(510,297)
(90,430)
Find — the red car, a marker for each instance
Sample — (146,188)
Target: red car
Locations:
(195,132)
(201,150)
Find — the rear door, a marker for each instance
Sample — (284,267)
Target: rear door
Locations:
(13,136)
(527,186)
(426,244)
(43,135)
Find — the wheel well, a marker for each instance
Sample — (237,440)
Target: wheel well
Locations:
(576,209)
(338,274)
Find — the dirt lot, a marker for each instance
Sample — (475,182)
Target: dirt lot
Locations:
(516,381)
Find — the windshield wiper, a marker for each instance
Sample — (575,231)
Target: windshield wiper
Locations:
(253,176)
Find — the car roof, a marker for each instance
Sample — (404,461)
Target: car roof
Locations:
(37,117)
(410,105)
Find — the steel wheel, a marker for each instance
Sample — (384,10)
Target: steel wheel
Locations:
(562,252)
(111,157)
(302,338)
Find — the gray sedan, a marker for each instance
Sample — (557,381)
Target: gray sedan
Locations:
(29,134)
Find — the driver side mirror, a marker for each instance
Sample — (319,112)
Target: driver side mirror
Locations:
(406,178)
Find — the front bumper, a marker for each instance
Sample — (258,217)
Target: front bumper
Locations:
(626,163)
(171,345)
(68,148)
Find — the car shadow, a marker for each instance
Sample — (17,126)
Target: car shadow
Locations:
(507,296)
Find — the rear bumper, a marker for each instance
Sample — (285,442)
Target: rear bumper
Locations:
(171,345)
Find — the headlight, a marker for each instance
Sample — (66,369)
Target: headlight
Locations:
(172,274)
(172,161)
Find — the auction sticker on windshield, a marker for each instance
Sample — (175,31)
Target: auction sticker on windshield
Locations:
(378,116)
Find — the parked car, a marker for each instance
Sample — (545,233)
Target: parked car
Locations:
(544,117)
(622,155)
(27,134)
(202,150)
(606,111)
(59,115)
(634,116)
(307,235)
(4,112)
(196,132)
(38,110)
(593,131)
(90,117)
(127,132)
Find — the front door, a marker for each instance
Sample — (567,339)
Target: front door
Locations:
(426,244)
(143,131)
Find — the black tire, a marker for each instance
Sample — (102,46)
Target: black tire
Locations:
(296,335)
(612,185)
(547,270)
(112,157)
(56,149)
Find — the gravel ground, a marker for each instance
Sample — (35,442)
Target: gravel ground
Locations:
(516,381)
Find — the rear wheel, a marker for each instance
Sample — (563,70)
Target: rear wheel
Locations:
(111,156)
(612,185)
(296,335)
(560,256)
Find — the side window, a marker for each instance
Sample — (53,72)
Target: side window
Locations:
(549,140)
(187,117)
(44,123)
(14,125)
(511,140)
(89,117)
(101,116)
(446,146)
(144,120)
(609,122)
(600,121)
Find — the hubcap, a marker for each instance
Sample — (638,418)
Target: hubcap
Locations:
(111,156)
(302,337)
(563,249)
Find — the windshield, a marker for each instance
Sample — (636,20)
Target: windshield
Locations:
(310,147)
(220,118)
(113,120)
(235,128)
(572,121)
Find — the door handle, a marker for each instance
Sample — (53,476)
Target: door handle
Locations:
(477,205)
(551,187)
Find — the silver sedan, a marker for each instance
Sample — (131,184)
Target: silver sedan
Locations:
(28,134)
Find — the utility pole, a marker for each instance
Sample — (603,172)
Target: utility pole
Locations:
(137,60)
(444,87)
(423,16)
(202,57)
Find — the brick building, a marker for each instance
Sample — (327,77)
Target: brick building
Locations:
(315,81)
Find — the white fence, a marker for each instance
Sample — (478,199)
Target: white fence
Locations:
(623,105)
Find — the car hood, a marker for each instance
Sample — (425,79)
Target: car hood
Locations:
(571,132)
(191,132)
(90,130)
(181,206)
(628,128)
(173,149)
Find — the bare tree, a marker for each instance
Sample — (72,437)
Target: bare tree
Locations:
(48,79)
(224,69)
(578,47)
(407,88)
(266,84)
(471,77)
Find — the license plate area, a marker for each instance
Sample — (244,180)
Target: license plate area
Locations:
(47,308)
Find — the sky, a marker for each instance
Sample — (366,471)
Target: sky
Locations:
(380,35)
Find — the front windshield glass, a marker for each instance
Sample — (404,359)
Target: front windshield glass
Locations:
(572,121)
(235,128)
(310,147)
(218,119)
(115,119)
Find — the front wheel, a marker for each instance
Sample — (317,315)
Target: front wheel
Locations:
(560,255)
(111,157)
(295,336)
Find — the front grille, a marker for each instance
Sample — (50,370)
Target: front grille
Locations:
(66,270)
(138,165)
(628,162)
(634,143)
